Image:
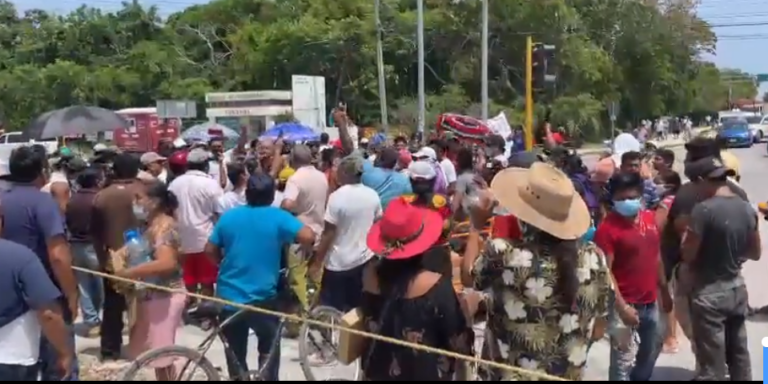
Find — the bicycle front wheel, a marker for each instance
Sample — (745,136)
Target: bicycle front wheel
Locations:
(318,353)
(187,365)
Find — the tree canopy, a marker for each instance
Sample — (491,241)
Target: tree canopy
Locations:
(642,54)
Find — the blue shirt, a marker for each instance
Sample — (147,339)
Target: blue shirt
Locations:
(251,240)
(388,184)
(31,218)
(23,281)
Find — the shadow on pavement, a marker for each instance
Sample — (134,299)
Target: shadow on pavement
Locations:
(663,373)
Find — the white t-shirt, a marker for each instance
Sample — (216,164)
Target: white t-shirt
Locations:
(352,209)
(278,199)
(20,340)
(231,200)
(449,170)
(198,196)
(56,177)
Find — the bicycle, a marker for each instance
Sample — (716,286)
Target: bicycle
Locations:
(308,344)
(208,311)
(211,312)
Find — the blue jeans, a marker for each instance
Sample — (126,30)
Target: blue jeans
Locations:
(267,330)
(634,353)
(90,286)
(49,358)
(9,372)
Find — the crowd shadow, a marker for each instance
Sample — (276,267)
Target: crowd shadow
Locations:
(665,373)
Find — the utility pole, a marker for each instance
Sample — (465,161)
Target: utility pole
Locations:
(528,93)
(420,43)
(484,55)
(380,65)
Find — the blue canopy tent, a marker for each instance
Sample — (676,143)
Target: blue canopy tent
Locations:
(294,132)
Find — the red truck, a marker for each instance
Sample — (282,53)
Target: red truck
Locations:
(145,130)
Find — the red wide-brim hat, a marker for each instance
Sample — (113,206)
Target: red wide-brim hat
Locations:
(405,231)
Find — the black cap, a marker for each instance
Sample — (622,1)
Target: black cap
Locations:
(523,159)
(710,167)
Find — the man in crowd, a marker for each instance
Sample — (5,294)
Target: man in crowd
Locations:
(250,268)
(449,170)
(238,176)
(30,306)
(495,146)
(663,161)
(305,196)
(630,239)
(33,219)
(198,195)
(722,233)
(154,164)
(79,220)
(632,162)
(112,216)
(343,252)
(217,167)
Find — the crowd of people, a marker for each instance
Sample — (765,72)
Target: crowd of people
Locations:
(423,240)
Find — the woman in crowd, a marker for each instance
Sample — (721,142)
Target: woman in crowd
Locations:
(406,301)
(670,184)
(547,289)
(158,313)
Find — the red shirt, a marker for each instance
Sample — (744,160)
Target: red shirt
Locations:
(634,248)
(506,227)
(558,138)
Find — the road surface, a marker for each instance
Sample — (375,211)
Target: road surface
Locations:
(677,367)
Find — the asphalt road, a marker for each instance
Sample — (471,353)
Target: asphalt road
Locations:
(677,367)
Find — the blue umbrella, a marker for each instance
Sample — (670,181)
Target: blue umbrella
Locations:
(292,132)
(205,131)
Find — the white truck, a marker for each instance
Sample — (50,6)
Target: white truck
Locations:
(12,140)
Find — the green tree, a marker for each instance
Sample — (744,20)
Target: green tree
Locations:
(644,55)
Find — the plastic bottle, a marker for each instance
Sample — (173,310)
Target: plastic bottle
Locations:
(136,246)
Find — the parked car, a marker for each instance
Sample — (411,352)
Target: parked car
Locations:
(735,134)
(758,125)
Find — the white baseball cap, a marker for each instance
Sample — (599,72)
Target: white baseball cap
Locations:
(421,170)
(425,153)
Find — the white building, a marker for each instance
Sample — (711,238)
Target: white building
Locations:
(258,109)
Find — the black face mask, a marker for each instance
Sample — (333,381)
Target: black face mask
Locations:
(422,188)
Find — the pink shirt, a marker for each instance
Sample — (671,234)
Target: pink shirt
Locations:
(308,187)
(198,195)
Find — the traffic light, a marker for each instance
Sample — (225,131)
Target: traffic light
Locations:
(544,70)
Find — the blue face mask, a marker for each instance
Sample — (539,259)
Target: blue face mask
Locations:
(628,208)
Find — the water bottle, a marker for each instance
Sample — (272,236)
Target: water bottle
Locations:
(136,246)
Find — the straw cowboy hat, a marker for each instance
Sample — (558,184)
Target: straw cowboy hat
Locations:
(544,197)
(405,231)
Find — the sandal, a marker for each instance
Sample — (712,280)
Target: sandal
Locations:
(670,347)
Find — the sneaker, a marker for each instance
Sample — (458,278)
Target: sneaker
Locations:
(93,332)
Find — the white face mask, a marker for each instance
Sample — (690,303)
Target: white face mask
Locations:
(139,212)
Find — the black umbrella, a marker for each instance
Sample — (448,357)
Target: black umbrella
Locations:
(74,121)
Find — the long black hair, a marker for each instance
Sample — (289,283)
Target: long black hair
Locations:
(566,256)
(167,200)
(396,275)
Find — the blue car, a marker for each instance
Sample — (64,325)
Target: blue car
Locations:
(735,134)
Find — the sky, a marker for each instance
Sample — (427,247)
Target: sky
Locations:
(739,46)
